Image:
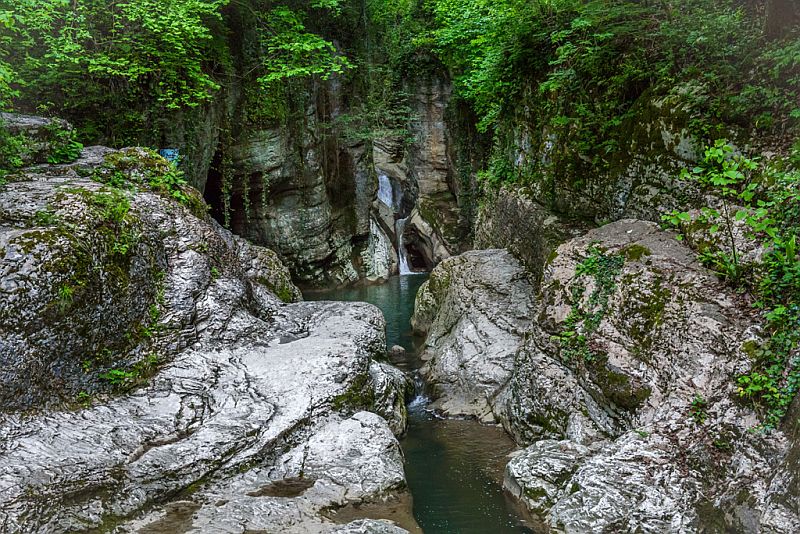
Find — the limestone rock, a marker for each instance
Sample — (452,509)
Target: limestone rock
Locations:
(303,192)
(170,378)
(379,257)
(536,475)
(423,241)
(649,388)
(346,461)
(640,178)
(475,309)
(392,388)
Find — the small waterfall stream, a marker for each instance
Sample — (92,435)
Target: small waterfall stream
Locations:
(402,253)
(386,195)
(385,191)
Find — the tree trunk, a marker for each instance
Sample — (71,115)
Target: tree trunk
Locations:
(781,16)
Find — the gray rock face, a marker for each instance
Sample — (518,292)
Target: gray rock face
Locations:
(291,196)
(307,192)
(345,461)
(643,453)
(620,378)
(640,178)
(96,280)
(235,411)
(392,388)
(474,308)
(509,219)
(536,475)
(430,163)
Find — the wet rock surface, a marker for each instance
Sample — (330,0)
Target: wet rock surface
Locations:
(474,308)
(231,393)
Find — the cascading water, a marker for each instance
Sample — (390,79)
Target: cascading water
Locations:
(385,192)
(386,196)
(402,253)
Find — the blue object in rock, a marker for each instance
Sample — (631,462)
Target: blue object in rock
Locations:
(170,154)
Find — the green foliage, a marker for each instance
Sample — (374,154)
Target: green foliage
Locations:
(766,200)
(7,74)
(583,321)
(139,166)
(64,146)
(11,147)
(121,378)
(91,45)
(171,183)
(65,296)
(292,51)
(45,217)
(580,69)
(84,398)
(730,177)
(115,69)
(117,377)
(382,113)
(113,205)
(698,410)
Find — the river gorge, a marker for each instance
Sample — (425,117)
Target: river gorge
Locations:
(454,467)
(369,267)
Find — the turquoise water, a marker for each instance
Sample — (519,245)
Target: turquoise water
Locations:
(454,467)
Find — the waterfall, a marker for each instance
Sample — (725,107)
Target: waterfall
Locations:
(402,254)
(385,193)
(386,196)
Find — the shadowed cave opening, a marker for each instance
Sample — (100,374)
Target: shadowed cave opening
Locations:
(213,192)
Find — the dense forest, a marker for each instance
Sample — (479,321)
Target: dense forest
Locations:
(363,139)
(117,69)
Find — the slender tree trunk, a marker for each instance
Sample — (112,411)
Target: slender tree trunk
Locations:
(781,16)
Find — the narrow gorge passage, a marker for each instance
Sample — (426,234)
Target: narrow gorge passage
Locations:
(454,467)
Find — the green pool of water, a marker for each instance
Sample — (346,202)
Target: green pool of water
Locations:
(454,467)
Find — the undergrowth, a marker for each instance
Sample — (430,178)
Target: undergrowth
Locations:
(764,199)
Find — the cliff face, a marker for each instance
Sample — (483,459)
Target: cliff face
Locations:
(338,210)
(304,191)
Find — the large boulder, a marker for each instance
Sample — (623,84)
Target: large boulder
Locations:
(474,309)
(633,362)
(101,283)
(155,371)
